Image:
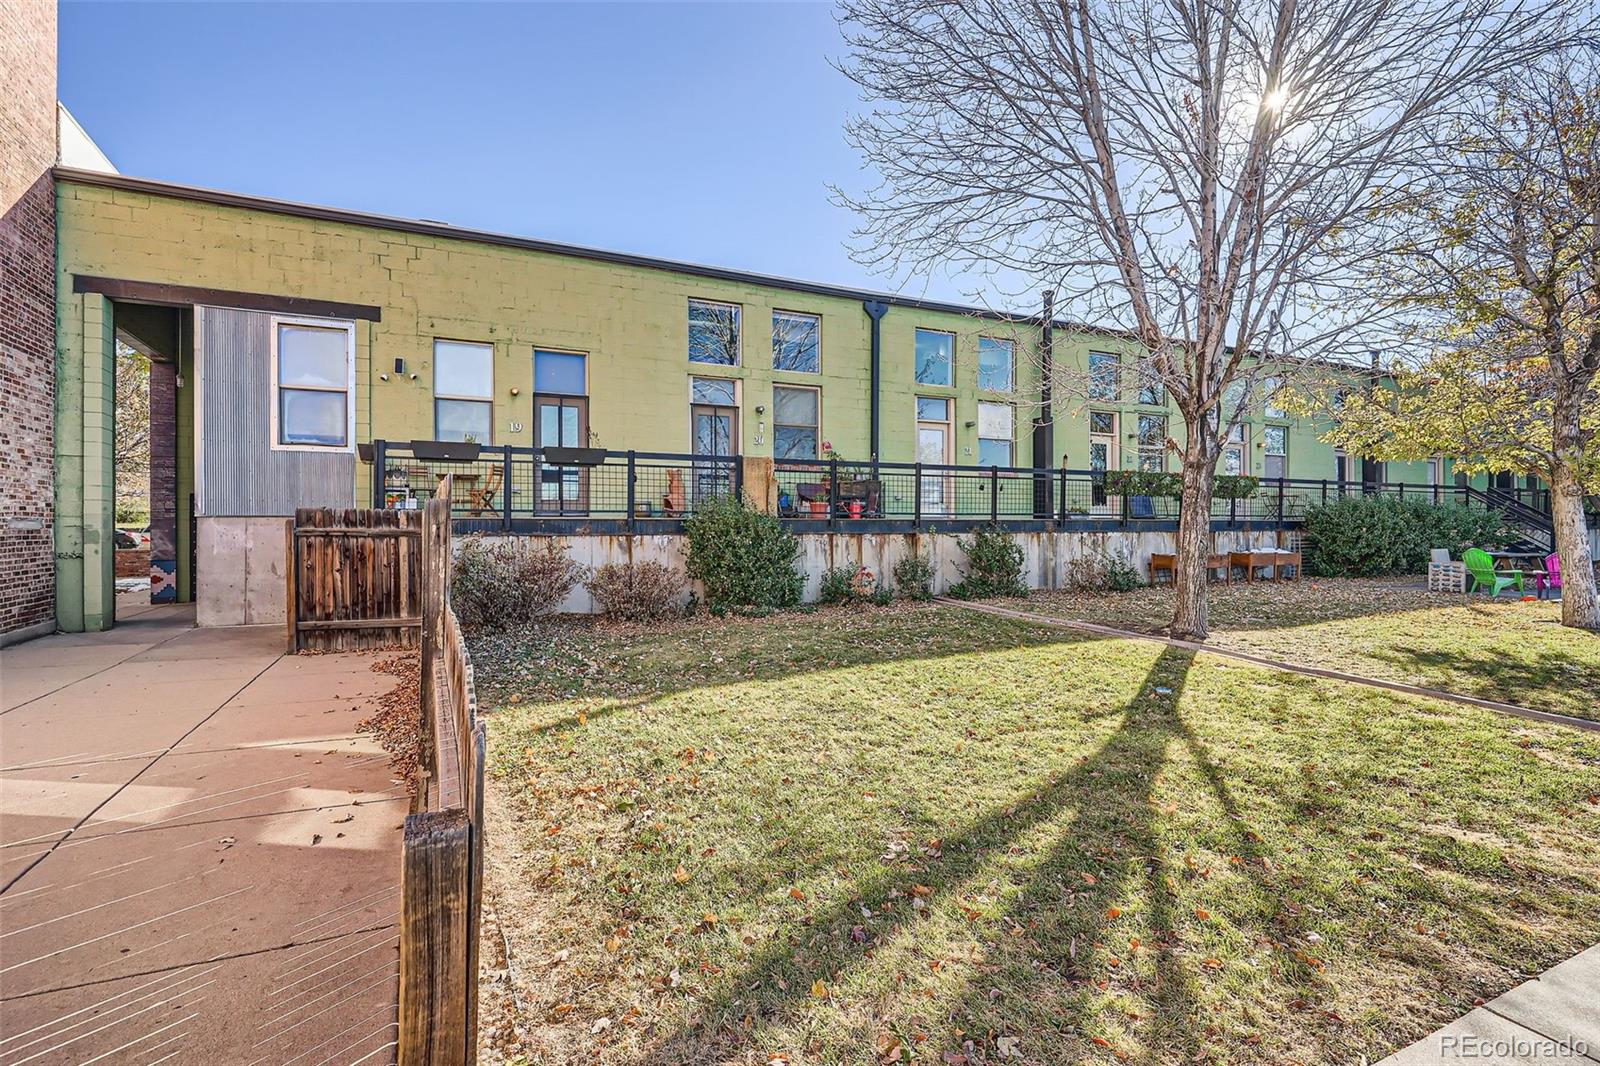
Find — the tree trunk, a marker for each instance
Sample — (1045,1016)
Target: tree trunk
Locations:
(1189,614)
(1580,603)
(1579,607)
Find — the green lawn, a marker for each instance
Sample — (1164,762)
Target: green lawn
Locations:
(1496,649)
(833,836)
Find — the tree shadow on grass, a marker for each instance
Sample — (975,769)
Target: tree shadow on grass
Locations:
(1554,681)
(1110,838)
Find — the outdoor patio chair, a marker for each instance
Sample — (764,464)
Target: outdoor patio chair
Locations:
(1445,575)
(1485,576)
(482,499)
(1551,578)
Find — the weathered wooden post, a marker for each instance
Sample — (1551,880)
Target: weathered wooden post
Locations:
(435,954)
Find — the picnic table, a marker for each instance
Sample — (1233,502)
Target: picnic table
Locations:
(1164,561)
(1277,558)
(1512,561)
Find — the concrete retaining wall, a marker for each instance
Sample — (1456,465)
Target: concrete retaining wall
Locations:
(242,582)
(1050,560)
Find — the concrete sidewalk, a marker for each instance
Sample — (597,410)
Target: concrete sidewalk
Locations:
(199,857)
(1552,1020)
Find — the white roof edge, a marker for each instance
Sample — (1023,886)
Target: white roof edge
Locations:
(76,148)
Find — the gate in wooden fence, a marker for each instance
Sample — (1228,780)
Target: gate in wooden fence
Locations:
(442,858)
(354,578)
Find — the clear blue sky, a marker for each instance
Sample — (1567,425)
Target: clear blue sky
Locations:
(705,132)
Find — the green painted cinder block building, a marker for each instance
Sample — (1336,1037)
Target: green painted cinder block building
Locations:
(290,334)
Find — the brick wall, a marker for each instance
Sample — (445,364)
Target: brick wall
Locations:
(27,312)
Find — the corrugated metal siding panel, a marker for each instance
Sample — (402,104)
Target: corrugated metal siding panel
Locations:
(241,474)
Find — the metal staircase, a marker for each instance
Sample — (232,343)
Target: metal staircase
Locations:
(1535,531)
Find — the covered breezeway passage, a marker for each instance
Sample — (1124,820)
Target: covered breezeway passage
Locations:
(200,856)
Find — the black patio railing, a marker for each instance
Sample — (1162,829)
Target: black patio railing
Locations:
(926,493)
(512,487)
(555,489)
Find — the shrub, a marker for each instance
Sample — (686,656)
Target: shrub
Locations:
(1170,486)
(1121,575)
(994,567)
(837,584)
(508,581)
(742,557)
(882,594)
(1235,487)
(1369,536)
(637,592)
(1143,483)
(1103,572)
(914,576)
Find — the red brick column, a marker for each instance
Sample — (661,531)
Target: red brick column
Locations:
(27,315)
(163,482)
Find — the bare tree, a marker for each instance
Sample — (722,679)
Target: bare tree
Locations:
(1498,253)
(131,436)
(1200,173)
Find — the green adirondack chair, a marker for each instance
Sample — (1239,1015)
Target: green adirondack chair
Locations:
(1485,576)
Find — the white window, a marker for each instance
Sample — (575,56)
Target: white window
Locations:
(796,414)
(463,391)
(713,333)
(313,370)
(1151,392)
(1276,439)
(936,353)
(1269,392)
(996,434)
(996,358)
(1103,371)
(796,342)
(1153,442)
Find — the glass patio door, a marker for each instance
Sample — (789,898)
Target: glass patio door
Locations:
(716,432)
(560,422)
(933,446)
(1102,456)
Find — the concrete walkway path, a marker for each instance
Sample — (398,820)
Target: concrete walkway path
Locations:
(199,857)
(1552,1020)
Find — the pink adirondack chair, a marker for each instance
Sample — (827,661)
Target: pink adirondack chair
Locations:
(1552,573)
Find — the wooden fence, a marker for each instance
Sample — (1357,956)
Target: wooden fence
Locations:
(442,857)
(354,578)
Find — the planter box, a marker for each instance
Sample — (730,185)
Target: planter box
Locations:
(452,450)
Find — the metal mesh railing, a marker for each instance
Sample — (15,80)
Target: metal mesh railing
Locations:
(514,485)
(518,486)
